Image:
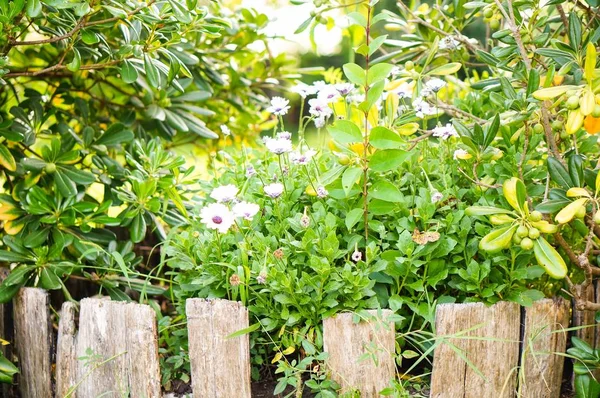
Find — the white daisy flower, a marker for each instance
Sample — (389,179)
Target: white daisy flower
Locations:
(320,122)
(303,89)
(225,130)
(285,135)
(250,171)
(279,106)
(319,85)
(328,94)
(356,256)
(422,108)
(224,193)
(344,88)
(435,84)
(278,146)
(245,210)
(217,216)
(319,108)
(303,158)
(436,196)
(445,132)
(404,90)
(322,192)
(274,190)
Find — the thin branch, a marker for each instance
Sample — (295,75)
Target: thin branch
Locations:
(58,67)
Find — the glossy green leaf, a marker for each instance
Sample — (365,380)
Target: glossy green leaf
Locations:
(549,259)
(498,240)
(388,159)
(345,132)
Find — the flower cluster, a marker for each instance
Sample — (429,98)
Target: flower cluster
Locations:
(219,216)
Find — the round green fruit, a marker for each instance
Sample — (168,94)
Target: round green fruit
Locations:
(516,239)
(344,160)
(495,23)
(50,168)
(522,231)
(596,111)
(572,102)
(557,125)
(526,244)
(488,13)
(409,65)
(538,128)
(534,233)
(597,218)
(580,212)
(535,216)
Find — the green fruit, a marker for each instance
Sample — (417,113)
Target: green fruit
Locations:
(538,128)
(494,23)
(526,244)
(534,233)
(535,216)
(557,125)
(522,231)
(409,65)
(564,135)
(488,13)
(597,218)
(344,160)
(580,212)
(596,111)
(516,239)
(50,168)
(572,102)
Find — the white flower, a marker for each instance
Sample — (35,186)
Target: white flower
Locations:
(449,43)
(320,122)
(356,256)
(262,278)
(225,130)
(303,89)
(224,193)
(404,90)
(328,94)
(319,85)
(278,146)
(422,108)
(274,190)
(344,88)
(279,106)
(319,108)
(217,216)
(303,158)
(250,171)
(285,135)
(445,132)
(435,84)
(246,210)
(322,192)
(461,154)
(436,196)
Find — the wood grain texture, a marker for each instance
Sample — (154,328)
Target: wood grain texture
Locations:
(541,370)
(581,318)
(123,340)
(361,355)
(220,366)
(66,356)
(33,342)
(492,348)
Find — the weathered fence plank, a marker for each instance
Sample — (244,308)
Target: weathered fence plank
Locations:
(66,357)
(586,318)
(541,370)
(361,355)
(220,366)
(33,342)
(119,344)
(489,338)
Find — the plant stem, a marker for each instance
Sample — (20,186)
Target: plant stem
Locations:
(366,139)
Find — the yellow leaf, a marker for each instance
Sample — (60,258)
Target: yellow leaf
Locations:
(289,350)
(574,121)
(569,211)
(277,357)
(552,92)
(13,227)
(587,102)
(447,69)
(590,61)
(575,192)
(408,128)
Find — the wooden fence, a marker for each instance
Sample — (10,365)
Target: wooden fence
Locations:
(498,351)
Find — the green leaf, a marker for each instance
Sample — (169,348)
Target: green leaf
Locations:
(181,13)
(152,73)
(384,138)
(574,30)
(116,134)
(48,279)
(6,159)
(376,43)
(389,159)
(444,70)
(549,259)
(65,186)
(304,25)
(350,177)
(498,240)
(353,217)
(129,73)
(345,132)
(378,73)
(12,257)
(372,96)
(486,210)
(75,64)
(355,74)
(552,92)
(385,190)
(34,8)
(244,331)
(7,292)
(137,229)
(559,173)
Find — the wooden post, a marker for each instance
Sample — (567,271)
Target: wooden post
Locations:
(586,318)
(492,349)
(33,342)
(361,355)
(541,370)
(66,357)
(116,350)
(220,366)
